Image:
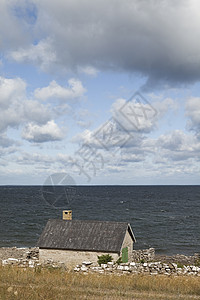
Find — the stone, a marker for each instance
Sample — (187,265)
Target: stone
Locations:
(104,266)
(154,273)
(109,269)
(4,262)
(96,268)
(87,263)
(11,259)
(84,268)
(31,264)
(10,289)
(145,264)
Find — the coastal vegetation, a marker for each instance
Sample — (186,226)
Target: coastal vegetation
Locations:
(49,283)
(104,259)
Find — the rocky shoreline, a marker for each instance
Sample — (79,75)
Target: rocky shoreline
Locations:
(152,265)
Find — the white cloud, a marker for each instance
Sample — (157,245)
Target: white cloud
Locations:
(6,142)
(110,136)
(36,112)
(41,54)
(25,158)
(178,146)
(140,115)
(176,141)
(16,109)
(74,90)
(12,94)
(83,118)
(42,161)
(193,113)
(5,153)
(89,70)
(40,134)
(131,156)
(11,90)
(135,116)
(84,137)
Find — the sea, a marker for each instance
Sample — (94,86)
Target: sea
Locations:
(166,218)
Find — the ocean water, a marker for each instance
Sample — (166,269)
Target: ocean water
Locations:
(164,217)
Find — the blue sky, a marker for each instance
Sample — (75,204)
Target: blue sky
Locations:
(104,91)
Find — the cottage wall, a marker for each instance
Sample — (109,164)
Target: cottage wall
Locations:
(71,258)
(128,242)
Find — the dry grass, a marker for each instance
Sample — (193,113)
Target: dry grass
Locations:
(34,284)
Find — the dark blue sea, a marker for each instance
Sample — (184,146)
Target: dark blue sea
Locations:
(164,217)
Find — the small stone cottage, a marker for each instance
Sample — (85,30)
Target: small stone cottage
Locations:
(75,241)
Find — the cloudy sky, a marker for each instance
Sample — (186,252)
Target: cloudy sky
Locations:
(105,91)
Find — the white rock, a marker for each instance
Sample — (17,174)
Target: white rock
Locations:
(86,263)
(154,273)
(167,270)
(31,264)
(145,264)
(109,269)
(4,262)
(151,265)
(12,259)
(96,268)
(104,266)
(175,265)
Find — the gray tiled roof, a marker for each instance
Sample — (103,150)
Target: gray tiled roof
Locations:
(84,235)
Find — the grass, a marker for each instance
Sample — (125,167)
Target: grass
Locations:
(34,284)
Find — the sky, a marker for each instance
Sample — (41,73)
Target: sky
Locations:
(104,92)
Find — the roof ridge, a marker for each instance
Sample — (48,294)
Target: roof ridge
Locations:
(100,221)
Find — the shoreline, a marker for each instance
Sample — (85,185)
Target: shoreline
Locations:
(27,253)
(179,265)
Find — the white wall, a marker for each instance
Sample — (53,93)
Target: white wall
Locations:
(71,258)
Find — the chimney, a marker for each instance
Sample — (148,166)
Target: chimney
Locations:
(67,214)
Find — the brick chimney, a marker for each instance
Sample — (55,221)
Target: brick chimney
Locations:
(67,214)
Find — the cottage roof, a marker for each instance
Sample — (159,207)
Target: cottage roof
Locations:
(84,235)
